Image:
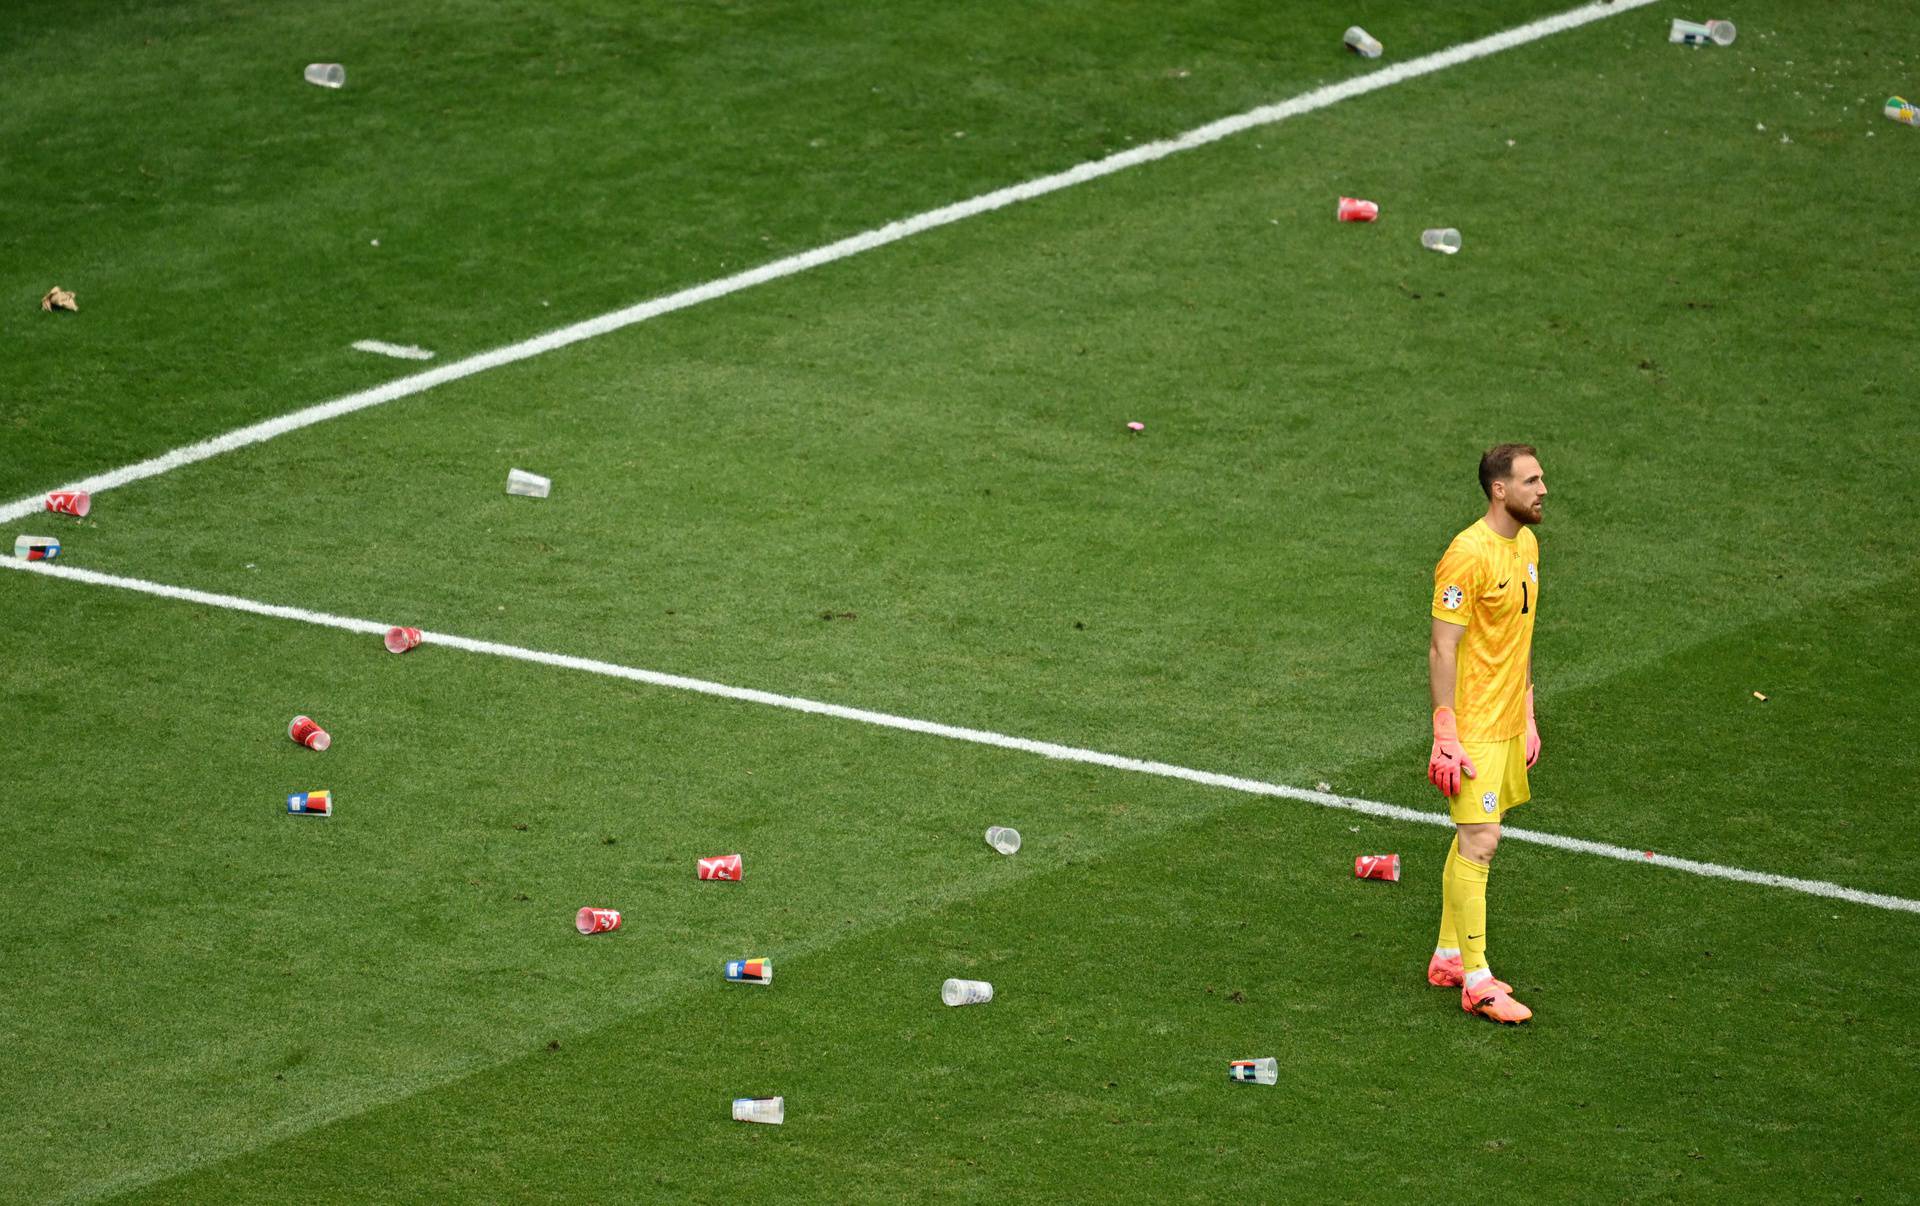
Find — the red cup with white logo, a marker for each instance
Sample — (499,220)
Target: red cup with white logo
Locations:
(309,734)
(596,921)
(70,502)
(1353,209)
(722,866)
(1377,866)
(399,640)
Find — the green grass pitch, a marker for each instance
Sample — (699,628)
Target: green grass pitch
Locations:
(903,482)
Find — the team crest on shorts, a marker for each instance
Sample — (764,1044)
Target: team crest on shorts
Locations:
(1452,597)
(1489,802)
(1533,573)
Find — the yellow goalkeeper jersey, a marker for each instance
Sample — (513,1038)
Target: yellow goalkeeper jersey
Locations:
(1490,586)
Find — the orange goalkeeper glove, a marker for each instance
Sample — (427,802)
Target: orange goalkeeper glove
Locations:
(1533,733)
(1449,758)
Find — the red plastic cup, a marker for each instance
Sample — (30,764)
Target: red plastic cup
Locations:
(596,921)
(723,866)
(399,640)
(1353,209)
(1377,866)
(309,734)
(70,502)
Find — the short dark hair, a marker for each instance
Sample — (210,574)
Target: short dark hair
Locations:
(1496,464)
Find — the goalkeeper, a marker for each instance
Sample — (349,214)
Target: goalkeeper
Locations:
(1486,593)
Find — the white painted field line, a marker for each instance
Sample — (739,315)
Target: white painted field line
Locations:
(399,351)
(893,232)
(1046,749)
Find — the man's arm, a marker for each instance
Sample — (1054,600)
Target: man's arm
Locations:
(1443,657)
(1448,759)
(1533,730)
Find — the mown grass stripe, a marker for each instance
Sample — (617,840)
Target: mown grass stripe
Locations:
(1045,749)
(892,232)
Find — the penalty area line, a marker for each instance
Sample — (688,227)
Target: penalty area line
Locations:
(892,232)
(1045,749)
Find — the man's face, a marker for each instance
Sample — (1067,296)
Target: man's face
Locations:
(1525,490)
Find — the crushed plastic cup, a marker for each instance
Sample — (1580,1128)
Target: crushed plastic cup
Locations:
(528,485)
(1696,33)
(1003,839)
(1377,866)
(1902,111)
(1353,209)
(750,971)
(1255,1071)
(70,502)
(399,640)
(720,866)
(327,75)
(1445,241)
(36,548)
(309,734)
(590,920)
(310,803)
(770,1110)
(966,992)
(1362,43)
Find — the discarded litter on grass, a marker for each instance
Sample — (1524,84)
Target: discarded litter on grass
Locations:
(590,920)
(1694,33)
(966,992)
(1362,43)
(326,75)
(36,548)
(1446,240)
(1353,209)
(750,971)
(1377,866)
(307,733)
(1264,1071)
(59,299)
(770,1110)
(528,485)
(310,803)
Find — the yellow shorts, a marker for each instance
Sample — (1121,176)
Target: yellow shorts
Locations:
(1501,784)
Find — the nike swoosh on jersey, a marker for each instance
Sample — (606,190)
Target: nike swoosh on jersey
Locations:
(1503,585)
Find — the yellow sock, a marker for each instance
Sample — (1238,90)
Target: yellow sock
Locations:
(1449,935)
(1469,894)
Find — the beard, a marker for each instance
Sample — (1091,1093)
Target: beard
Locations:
(1525,515)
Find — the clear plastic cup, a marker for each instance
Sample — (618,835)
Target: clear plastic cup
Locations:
(1255,1071)
(1722,32)
(1446,241)
(36,548)
(1003,839)
(771,1110)
(966,992)
(327,75)
(529,485)
(1360,42)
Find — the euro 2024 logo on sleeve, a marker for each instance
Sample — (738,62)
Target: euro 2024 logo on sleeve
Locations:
(1451,597)
(1533,573)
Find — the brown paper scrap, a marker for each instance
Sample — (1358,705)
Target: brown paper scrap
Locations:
(59,299)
